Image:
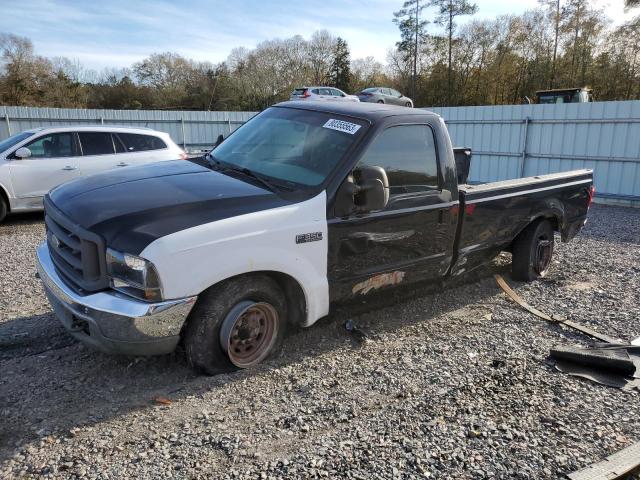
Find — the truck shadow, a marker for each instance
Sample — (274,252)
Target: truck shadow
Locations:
(50,383)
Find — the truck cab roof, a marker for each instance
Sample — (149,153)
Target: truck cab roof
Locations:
(371,112)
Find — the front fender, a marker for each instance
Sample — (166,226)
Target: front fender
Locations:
(192,260)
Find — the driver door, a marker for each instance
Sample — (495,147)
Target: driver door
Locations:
(53,161)
(411,239)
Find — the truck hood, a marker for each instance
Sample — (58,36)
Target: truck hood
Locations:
(132,207)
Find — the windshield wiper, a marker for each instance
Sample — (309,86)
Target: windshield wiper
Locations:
(259,178)
(215,163)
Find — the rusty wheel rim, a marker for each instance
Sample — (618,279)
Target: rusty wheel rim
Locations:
(543,255)
(249,332)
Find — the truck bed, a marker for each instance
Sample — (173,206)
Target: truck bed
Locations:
(480,191)
(493,214)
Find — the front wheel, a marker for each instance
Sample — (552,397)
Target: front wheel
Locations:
(380,101)
(408,104)
(532,251)
(236,325)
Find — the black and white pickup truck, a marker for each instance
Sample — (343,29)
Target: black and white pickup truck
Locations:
(305,204)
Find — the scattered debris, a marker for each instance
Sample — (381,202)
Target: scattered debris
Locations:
(353,329)
(610,365)
(554,319)
(614,359)
(614,466)
(162,401)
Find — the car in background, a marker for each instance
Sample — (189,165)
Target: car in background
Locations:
(322,93)
(564,95)
(384,95)
(34,161)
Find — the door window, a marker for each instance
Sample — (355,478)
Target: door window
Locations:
(385,91)
(96,143)
(395,93)
(325,91)
(408,155)
(134,142)
(117,143)
(55,145)
(336,93)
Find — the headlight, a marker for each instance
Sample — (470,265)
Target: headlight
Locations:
(133,275)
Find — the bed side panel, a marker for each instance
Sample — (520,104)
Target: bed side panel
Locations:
(493,217)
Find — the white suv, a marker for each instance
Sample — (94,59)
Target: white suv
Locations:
(322,93)
(35,161)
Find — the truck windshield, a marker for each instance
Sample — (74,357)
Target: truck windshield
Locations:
(290,145)
(7,143)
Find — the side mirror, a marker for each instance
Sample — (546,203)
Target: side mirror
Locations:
(22,152)
(366,190)
(219,140)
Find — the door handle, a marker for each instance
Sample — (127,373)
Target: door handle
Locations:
(122,164)
(69,167)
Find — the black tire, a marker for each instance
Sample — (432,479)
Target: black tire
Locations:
(532,251)
(380,101)
(4,209)
(219,314)
(408,104)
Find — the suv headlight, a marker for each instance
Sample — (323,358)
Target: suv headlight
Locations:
(133,275)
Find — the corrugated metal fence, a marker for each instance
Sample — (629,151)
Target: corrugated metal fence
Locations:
(521,140)
(507,141)
(192,130)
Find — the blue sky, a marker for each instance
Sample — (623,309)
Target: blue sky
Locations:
(117,33)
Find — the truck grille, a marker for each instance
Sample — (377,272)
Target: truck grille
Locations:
(78,254)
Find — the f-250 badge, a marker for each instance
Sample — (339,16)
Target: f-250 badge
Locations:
(309,237)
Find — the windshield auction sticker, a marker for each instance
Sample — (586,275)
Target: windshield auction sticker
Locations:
(342,126)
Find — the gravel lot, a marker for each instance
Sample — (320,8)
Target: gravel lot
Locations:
(452,383)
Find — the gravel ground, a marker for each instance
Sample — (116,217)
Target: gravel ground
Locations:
(452,383)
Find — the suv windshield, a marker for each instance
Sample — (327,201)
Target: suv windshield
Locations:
(289,145)
(7,143)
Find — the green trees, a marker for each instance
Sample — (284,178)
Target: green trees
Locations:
(340,68)
(448,10)
(412,27)
(561,43)
(25,74)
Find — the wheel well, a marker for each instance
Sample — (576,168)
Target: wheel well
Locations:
(553,220)
(5,198)
(294,295)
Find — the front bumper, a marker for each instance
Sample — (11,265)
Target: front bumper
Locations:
(113,322)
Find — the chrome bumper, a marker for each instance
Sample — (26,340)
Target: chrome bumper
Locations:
(111,321)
